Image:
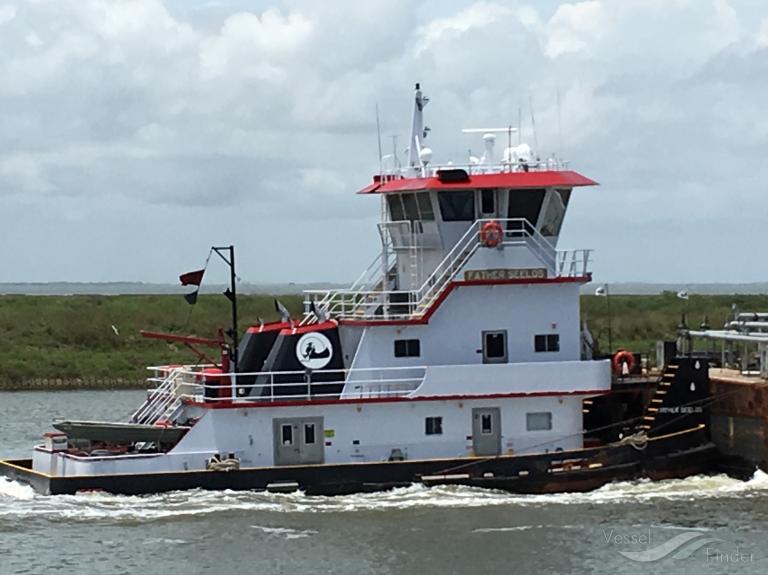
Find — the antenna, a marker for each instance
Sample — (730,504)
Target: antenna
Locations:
(519,125)
(533,123)
(378,135)
(559,126)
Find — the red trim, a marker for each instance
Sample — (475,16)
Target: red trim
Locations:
(516,180)
(272,326)
(468,283)
(326,401)
(298,330)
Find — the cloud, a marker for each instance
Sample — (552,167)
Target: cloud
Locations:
(159,122)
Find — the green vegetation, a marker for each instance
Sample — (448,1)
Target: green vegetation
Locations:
(72,336)
(639,321)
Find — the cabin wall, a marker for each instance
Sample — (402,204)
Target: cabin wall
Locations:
(365,431)
(453,335)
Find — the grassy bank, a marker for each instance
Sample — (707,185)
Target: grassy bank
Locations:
(44,337)
(49,337)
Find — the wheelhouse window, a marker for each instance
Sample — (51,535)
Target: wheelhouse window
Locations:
(487,202)
(546,342)
(457,206)
(433,426)
(538,421)
(554,212)
(525,204)
(407,348)
(410,206)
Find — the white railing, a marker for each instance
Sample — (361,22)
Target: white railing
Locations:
(353,303)
(191,383)
(163,398)
(549,165)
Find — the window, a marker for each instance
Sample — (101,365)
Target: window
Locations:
(555,212)
(486,424)
(396,212)
(495,346)
(525,204)
(425,206)
(407,348)
(433,426)
(309,433)
(538,421)
(548,342)
(487,202)
(411,206)
(286,434)
(457,206)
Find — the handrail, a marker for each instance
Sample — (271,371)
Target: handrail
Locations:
(361,303)
(266,386)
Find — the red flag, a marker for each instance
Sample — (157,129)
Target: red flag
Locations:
(192,278)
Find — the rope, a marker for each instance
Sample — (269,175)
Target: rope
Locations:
(637,440)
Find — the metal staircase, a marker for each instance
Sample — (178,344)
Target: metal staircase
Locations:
(163,402)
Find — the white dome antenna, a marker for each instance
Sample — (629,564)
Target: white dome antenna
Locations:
(489,138)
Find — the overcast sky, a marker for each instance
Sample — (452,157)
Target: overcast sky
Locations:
(135,134)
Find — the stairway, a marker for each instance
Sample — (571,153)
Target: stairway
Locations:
(163,403)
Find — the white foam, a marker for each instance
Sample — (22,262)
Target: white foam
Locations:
(14,490)
(18,500)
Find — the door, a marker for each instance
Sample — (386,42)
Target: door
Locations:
(495,346)
(486,430)
(298,440)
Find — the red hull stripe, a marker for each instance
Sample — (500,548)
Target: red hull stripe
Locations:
(325,401)
(469,283)
(516,180)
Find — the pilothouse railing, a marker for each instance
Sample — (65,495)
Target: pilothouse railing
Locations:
(356,303)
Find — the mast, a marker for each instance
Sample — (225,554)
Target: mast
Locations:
(417,132)
(231,294)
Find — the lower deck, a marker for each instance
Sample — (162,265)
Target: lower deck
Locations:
(676,454)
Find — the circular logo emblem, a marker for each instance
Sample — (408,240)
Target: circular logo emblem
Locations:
(314,350)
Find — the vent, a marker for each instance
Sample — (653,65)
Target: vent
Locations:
(453,175)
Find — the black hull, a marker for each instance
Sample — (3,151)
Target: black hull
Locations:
(675,455)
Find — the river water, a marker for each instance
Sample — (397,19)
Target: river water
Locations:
(697,525)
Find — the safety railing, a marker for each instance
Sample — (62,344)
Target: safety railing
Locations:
(383,304)
(163,398)
(193,384)
(548,165)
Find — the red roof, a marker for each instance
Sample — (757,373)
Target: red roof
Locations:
(516,180)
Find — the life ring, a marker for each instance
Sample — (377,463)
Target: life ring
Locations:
(622,358)
(491,234)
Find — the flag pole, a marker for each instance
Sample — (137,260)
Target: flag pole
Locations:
(232,296)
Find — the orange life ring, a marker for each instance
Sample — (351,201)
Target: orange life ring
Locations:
(491,234)
(623,357)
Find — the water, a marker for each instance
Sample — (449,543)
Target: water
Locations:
(719,523)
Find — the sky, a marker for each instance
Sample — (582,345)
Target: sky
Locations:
(134,134)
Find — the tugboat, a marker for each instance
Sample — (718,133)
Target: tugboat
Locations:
(457,357)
